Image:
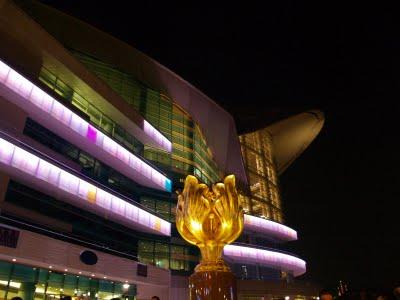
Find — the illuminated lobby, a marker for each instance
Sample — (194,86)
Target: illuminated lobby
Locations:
(95,138)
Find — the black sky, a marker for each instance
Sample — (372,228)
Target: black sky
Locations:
(260,62)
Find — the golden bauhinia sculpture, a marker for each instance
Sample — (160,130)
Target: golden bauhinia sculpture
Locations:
(209,219)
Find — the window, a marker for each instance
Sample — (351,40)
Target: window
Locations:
(161,255)
(90,166)
(35,283)
(164,255)
(163,209)
(96,116)
(107,125)
(179,258)
(146,252)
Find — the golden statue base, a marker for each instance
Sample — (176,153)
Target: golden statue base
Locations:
(212,285)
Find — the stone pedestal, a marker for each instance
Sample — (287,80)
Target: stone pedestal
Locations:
(212,285)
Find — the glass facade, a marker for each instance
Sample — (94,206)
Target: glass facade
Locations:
(90,166)
(264,200)
(82,225)
(97,118)
(162,207)
(174,257)
(190,153)
(41,284)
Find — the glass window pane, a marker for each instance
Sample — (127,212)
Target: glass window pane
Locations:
(95,115)
(80,102)
(5,272)
(161,252)
(107,124)
(146,252)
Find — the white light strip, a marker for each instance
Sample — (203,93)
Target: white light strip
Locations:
(157,136)
(61,115)
(77,189)
(270,228)
(272,259)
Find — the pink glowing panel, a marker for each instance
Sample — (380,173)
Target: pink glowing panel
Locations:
(91,133)
(15,158)
(118,206)
(24,88)
(145,170)
(123,155)
(144,218)
(37,96)
(103,199)
(270,228)
(6,151)
(162,141)
(48,172)
(57,110)
(78,125)
(69,183)
(276,260)
(4,70)
(14,80)
(131,212)
(25,161)
(110,146)
(134,163)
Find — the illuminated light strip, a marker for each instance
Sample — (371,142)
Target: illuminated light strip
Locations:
(157,136)
(272,259)
(273,229)
(132,165)
(76,191)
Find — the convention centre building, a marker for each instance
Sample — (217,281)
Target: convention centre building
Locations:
(95,140)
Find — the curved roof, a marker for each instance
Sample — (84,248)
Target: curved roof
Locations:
(217,125)
(291,136)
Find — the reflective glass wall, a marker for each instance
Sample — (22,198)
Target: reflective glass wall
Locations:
(41,284)
(190,153)
(264,200)
(167,256)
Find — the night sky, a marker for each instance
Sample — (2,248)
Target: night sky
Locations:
(263,63)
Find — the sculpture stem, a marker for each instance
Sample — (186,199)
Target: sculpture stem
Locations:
(211,257)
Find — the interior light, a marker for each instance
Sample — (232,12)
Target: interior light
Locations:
(126,286)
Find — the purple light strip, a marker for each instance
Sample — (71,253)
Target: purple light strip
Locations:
(270,228)
(276,260)
(30,92)
(74,188)
(157,136)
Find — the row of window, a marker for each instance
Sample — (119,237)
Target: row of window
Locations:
(102,232)
(264,200)
(166,209)
(164,115)
(40,284)
(166,256)
(260,208)
(97,118)
(90,166)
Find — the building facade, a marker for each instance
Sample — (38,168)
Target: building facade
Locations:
(95,138)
